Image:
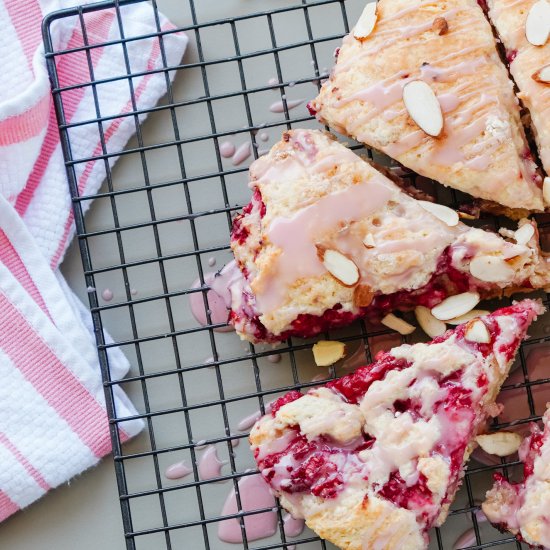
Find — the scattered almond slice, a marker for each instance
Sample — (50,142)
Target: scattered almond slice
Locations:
(444,213)
(457,305)
(440,26)
(477,332)
(546,191)
(362,296)
(368,241)
(524,234)
(466,216)
(542,75)
(397,324)
(428,323)
(491,269)
(499,443)
(537,25)
(467,317)
(339,266)
(366,22)
(423,107)
(327,352)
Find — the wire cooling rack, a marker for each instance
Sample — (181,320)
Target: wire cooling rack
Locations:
(163,219)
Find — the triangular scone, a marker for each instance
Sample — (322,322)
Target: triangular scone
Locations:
(374,459)
(524,508)
(448,45)
(320,214)
(527,62)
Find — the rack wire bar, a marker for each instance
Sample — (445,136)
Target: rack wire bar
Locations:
(165,227)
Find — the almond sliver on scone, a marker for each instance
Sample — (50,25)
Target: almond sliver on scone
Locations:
(328,239)
(382,89)
(524,508)
(373,460)
(527,65)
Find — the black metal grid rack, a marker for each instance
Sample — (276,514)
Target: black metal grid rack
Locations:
(177,393)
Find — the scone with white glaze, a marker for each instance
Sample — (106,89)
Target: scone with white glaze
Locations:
(529,63)
(427,87)
(373,460)
(328,239)
(524,508)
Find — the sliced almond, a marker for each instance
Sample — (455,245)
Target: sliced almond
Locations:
(491,269)
(368,241)
(457,305)
(366,22)
(327,352)
(440,26)
(466,216)
(339,266)
(428,323)
(524,234)
(542,75)
(444,213)
(397,324)
(362,296)
(468,317)
(423,107)
(499,443)
(546,191)
(537,25)
(477,332)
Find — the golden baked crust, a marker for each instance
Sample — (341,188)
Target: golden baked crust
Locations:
(373,460)
(482,149)
(312,194)
(509,18)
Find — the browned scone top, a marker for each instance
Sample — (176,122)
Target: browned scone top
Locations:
(448,48)
(529,63)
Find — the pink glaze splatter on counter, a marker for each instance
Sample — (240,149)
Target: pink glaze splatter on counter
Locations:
(275,358)
(264,137)
(255,495)
(217,303)
(278,106)
(273,81)
(227,149)
(293,527)
(210,466)
(178,470)
(248,421)
(107,295)
(133,291)
(241,154)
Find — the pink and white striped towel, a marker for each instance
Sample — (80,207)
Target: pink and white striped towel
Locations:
(53,423)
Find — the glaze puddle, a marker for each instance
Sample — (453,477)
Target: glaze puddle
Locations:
(255,495)
(278,106)
(177,470)
(217,303)
(212,262)
(241,154)
(227,149)
(107,295)
(210,466)
(293,527)
(248,421)
(275,358)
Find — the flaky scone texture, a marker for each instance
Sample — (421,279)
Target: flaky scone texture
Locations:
(373,460)
(482,149)
(509,18)
(312,194)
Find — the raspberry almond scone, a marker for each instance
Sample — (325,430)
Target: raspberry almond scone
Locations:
(524,508)
(427,87)
(373,460)
(529,58)
(328,239)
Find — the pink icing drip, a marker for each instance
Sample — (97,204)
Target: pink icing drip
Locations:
(248,421)
(178,470)
(296,236)
(293,527)
(241,154)
(255,494)
(210,466)
(278,106)
(227,149)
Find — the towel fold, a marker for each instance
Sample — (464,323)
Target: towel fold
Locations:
(53,422)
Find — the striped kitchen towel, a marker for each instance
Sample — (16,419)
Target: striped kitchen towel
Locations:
(53,423)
